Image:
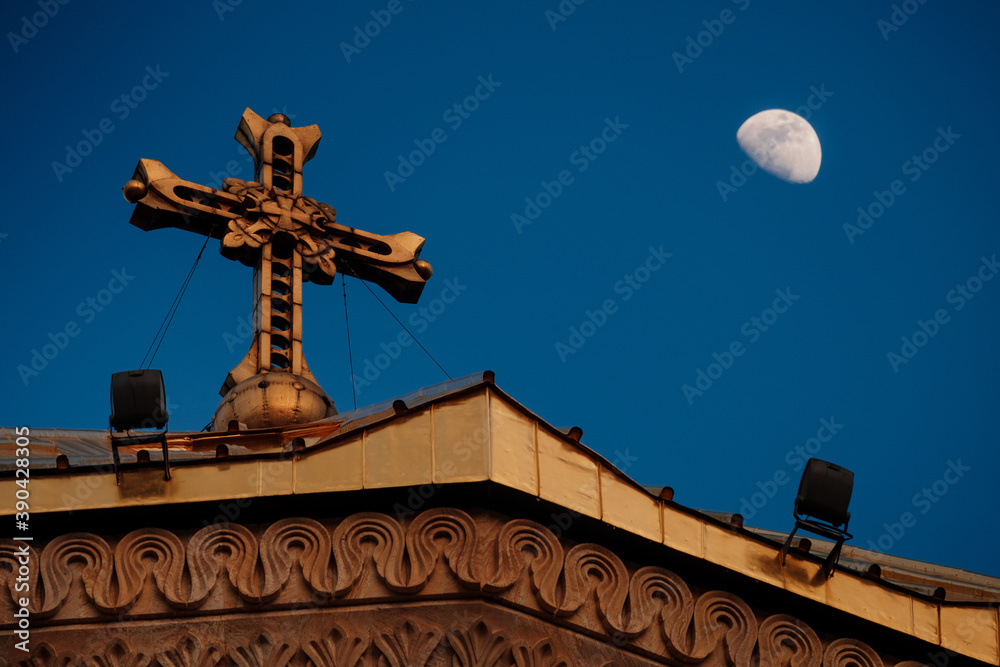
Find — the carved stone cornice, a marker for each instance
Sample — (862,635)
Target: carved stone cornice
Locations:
(453,634)
(439,637)
(334,569)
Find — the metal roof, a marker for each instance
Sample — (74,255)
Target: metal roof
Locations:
(93,448)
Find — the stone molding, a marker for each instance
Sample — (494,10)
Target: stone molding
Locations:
(400,637)
(481,642)
(370,558)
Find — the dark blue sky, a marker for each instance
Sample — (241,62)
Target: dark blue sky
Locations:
(628,151)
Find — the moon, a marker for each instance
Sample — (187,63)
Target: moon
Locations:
(782,143)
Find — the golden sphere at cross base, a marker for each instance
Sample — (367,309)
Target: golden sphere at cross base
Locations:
(273,399)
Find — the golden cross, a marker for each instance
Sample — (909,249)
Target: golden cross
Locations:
(286,237)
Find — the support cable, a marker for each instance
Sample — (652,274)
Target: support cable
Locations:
(169,317)
(350,355)
(406,330)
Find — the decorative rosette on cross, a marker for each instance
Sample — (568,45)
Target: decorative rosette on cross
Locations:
(268,213)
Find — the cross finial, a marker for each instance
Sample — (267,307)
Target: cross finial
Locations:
(286,237)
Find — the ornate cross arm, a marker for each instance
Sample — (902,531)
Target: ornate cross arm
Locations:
(246,216)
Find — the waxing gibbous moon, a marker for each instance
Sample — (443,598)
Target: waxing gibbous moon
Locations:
(782,143)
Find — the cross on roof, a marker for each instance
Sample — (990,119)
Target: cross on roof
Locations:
(286,237)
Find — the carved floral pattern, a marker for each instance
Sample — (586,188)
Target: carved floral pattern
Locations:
(45,656)
(408,645)
(441,549)
(847,653)
(478,646)
(119,654)
(189,652)
(263,651)
(542,654)
(412,644)
(268,211)
(781,636)
(337,649)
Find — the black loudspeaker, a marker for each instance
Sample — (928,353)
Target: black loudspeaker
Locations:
(138,400)
(825,492)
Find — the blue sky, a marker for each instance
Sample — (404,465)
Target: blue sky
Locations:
(618,123)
